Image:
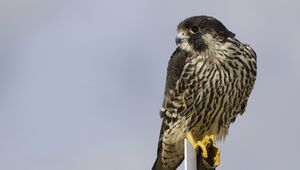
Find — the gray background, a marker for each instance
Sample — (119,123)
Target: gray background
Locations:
(81,82)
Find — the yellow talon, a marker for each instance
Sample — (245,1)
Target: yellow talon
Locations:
(203,148)
(217,158)
(202,144)
(206,143)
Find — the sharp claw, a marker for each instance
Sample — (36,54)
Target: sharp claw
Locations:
(203,148)
(217,160)
(207,143)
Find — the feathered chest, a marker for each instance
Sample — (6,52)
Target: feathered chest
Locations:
(208,82)
(217,71)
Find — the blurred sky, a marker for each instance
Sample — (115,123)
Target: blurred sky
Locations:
(81,82)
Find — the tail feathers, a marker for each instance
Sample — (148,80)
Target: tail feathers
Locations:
(158,165)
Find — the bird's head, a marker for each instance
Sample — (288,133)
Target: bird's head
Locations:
(200,33)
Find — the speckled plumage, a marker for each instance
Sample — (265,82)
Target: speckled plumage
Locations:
(210,77)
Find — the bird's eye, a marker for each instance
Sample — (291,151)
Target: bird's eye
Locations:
(194,29)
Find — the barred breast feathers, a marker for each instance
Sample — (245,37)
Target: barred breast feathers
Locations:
(214,85)
(223,77)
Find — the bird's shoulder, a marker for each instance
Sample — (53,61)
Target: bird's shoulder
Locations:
(175,68)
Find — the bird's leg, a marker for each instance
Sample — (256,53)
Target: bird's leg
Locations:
(207,143)
(196,144)
(216,151)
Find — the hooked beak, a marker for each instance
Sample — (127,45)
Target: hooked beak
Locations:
(181,37)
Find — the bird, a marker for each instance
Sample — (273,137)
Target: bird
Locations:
(210,77)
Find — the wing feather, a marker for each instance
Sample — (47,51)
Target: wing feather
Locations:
(174,71)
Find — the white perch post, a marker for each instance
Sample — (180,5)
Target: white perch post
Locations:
(190,158)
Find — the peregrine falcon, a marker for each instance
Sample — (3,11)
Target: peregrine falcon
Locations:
(209,79)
